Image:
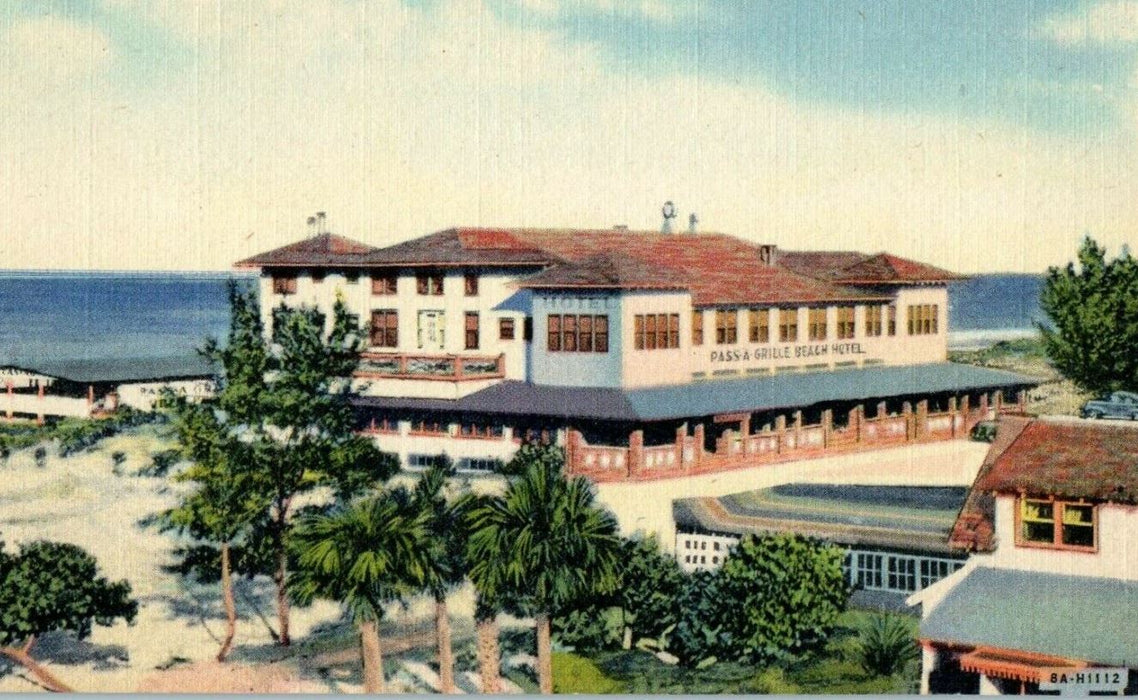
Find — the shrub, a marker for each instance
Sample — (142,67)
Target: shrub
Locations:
(887,645)
(40,456)
(160,463)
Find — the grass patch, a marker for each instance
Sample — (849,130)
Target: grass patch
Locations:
(577,674)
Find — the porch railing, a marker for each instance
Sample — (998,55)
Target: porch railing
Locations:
(453,368)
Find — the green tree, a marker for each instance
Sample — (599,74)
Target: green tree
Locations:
(786,593)
(282,406)
(226,500)
(363,555)
(446,563)
(651,583)
(50,586)
(1094,310)
(544,543)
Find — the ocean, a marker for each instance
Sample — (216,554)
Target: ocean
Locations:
(96,315)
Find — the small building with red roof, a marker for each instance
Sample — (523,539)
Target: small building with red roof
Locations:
(647,354)
(1052,526)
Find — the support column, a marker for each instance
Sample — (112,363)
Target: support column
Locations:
(856,416)
(922,425)
(697,443)
(39,406)
(1021,401)
(635,452)
(573,450)
(780,430)
(827,427)
(681,438)
(797,429)
(984,406)
(907,413)
(745,426)
(952,415)
(998,401)
(882,411)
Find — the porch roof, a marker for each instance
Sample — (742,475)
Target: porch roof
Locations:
(1073,617)
(708,398)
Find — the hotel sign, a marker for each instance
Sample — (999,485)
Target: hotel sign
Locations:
(788,352)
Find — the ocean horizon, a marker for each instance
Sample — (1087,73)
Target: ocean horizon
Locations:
(66,315)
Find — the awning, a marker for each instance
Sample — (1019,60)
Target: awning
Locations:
(1014,665)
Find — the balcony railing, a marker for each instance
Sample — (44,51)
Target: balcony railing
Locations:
(451,368)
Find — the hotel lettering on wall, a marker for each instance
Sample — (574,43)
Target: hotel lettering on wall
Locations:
(597,303)
(789,352)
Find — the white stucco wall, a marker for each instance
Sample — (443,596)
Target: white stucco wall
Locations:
(1116,555)
(143,395)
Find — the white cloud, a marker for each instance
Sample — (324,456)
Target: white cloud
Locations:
(400,121)
(1114,21)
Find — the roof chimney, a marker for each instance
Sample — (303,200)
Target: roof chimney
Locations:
(320,222)
(312,226)
(693,223)
(669,212)
(768,253)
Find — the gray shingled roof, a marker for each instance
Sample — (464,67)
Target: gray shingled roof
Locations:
(121,369)
(708,398)
(1077,617)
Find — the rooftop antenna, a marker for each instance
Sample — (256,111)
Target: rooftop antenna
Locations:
(320,216)
(669,212)
(312,226)
(693,223)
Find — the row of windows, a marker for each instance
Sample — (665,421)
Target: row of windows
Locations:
(480,464)
(689,544)
(699,559)
(656,331)
(578,333)
(897,573)
(426,284)
(385,329)
(759,322)
(923,319)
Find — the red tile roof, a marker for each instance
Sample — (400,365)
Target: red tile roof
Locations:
(324,249)
(1065,458)
(848,267)
(717,269)
(604,271)
(1069,459)
(974,530)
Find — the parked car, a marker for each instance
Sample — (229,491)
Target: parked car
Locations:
(984,431)
(1120,404)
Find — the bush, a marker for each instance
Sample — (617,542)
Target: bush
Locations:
(160,463)
(40,456)
(887,645)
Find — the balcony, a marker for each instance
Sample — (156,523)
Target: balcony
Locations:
(449,368)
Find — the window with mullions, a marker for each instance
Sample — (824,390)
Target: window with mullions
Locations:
(656,331)
(577,333)
(891,312)
(816,324)
(788,325)
(845,327)
(923,319)
(385,328)
(1060,524)
(471,330)
(384,285)
(697,327)
(760,330)
(726,326)
(284,284)
(429,284)
(873,321)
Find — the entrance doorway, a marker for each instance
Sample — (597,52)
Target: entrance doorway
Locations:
(431,330)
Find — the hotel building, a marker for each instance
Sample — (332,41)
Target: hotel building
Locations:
(645,354)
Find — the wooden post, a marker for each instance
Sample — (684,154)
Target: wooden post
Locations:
(681,438)
(780,429)
(39,406)
(998,401)
(856,416)
(907,412)
(635,452)
(827,426)
(922,425)
(797,429)
(697,443)
(984,406)
(952,415)
(745,426)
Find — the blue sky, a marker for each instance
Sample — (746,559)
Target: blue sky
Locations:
(190,133)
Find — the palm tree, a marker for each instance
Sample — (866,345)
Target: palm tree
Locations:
(487,581)
(363,555)
(544,543)
(446,564)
